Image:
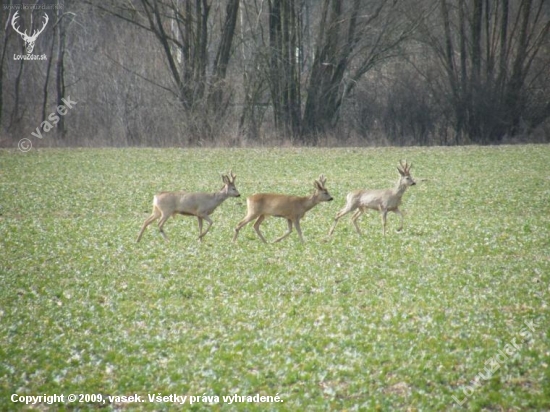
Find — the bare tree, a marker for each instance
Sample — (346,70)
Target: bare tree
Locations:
(186,48)
(497,63)
(352,39)
(221,63)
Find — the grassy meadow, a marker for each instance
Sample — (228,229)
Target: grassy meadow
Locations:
(449,314)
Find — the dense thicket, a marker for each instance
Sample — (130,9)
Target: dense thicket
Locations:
(234,72)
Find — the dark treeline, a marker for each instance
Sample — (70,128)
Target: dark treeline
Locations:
(253,72)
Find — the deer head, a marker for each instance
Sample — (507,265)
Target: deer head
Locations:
(229,181)
(29,40)
(321,191)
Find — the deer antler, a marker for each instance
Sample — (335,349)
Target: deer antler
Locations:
(15,17)
(229,178)
(405,168)
(24,34)
(322,180)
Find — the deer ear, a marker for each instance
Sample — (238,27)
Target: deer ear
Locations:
(401,172)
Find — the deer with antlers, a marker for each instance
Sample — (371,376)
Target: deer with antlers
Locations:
(29,40)
(201,205)
(292,208)
(383,200)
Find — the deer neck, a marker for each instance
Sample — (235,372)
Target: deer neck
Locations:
(311,201)
(220,196)
(400,188)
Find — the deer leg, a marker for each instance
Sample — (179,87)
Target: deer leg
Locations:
(299,229)
(289,231)
(257,227)
(398,212)
(209,221)
(354,218)
(163,220)
(384,214)
(150,219)
(199,220)
(344,211)
(241,224)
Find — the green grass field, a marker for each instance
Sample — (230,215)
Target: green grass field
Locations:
(405,322)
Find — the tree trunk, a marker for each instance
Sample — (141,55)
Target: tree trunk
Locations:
(474,89)
(513,104)
(7,31)
(283,69)
(323,84)
(60,70)
(219,71)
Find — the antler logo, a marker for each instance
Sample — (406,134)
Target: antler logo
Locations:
(29,40)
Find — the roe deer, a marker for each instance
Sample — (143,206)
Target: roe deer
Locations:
(201,205)
(383,200)
(292,208)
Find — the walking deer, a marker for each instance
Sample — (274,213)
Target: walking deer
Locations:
(292,208)
(201,205)
(383,200)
